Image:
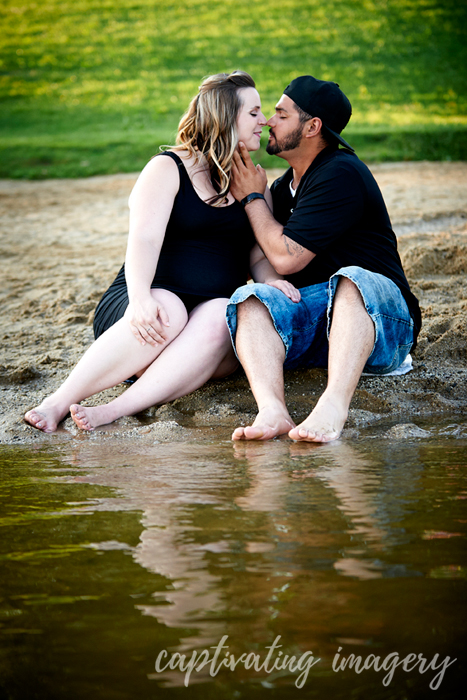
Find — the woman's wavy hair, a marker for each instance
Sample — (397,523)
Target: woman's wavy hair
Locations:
(209,126)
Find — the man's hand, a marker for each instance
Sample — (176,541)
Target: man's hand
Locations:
(246,178)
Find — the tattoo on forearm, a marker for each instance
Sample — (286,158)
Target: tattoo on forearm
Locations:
(293,248)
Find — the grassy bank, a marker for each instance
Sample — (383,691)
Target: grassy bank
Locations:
(95,86)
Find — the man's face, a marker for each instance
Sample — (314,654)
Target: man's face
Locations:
(286,130)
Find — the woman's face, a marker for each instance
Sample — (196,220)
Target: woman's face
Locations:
(250,119)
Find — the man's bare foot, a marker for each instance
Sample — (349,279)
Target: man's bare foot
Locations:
(269,423)
(324,424)
(45,418)
(88,417)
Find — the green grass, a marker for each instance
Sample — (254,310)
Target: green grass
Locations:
(95,86)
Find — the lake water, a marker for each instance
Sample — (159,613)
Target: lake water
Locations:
(114,557)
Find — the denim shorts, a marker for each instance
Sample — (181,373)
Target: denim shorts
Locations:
(304,327)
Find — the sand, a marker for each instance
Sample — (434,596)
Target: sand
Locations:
(63,241)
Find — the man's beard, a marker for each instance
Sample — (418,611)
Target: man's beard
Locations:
(288,144)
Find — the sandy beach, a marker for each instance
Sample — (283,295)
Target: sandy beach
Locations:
(63,241)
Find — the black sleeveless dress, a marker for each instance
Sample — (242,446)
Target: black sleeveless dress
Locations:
(205,254)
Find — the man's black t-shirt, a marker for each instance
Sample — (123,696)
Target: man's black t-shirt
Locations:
(338,213)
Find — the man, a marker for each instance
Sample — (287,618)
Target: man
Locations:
(330,235)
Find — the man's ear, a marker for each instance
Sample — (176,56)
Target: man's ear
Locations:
(313,127)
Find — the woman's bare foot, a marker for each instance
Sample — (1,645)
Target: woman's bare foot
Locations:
(324,424)
(89,417)
(269,423)
(45,417)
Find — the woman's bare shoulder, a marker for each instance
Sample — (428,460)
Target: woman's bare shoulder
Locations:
(159,174)
(181,153)
(159,167)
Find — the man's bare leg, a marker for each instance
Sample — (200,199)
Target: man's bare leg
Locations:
(262,353)
(351,341)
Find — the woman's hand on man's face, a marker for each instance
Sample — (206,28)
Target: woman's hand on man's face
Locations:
(246,177)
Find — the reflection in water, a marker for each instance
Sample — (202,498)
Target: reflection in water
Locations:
(296,492)
(346,472)
(167,547)
(323,545)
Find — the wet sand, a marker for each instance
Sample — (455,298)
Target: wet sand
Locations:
(63,241)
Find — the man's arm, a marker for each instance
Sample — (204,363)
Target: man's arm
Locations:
(262,271)
(284,254)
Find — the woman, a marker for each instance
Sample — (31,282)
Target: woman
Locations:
(162,321)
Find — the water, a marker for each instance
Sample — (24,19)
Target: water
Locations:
(111,555)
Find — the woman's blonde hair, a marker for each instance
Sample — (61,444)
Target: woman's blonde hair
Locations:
(209,126)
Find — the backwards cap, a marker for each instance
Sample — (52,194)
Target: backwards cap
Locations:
(323,99)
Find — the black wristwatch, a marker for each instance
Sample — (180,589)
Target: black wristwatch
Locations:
(250,197)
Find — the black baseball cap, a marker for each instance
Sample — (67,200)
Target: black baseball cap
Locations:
(323,99)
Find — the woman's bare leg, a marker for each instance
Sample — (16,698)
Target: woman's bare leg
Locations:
(112,358)
(202,351)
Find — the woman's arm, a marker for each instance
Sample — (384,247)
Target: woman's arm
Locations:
(262,271)
(151,203)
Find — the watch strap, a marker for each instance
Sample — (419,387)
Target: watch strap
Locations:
(250,197)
